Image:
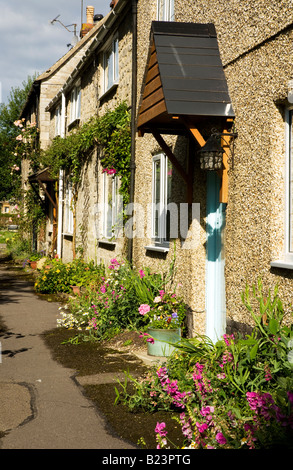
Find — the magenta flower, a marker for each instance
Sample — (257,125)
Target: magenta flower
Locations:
(141,274)
(201,427)
(220,438)
(160,429)
(150,340)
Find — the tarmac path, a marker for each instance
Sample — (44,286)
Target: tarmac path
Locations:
(41,406)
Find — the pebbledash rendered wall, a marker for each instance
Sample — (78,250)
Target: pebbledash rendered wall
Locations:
(256,46)
(90,188)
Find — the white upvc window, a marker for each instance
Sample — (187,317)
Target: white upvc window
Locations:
(111,65)
(161,192)
(165,10)
(111,206)
(58,121)
(75,102)
(68,212)
(286,258)
(289,187)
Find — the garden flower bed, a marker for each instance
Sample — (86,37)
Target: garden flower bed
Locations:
(237,393)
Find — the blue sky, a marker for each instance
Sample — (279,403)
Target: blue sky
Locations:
(29,43)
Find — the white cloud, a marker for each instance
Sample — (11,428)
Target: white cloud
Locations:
(29,43)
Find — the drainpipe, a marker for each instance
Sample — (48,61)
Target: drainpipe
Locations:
(61,174)
(133,115)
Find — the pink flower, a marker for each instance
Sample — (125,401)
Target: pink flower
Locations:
(19,137)
(150,340)
(141,274)
(221,439)
(160,429)
(103,289)
(201,427)
(144,308)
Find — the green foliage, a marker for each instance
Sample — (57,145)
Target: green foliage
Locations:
(18,247)
(237,393)
(56,276)
(111,132)
(10,159)
(110,296)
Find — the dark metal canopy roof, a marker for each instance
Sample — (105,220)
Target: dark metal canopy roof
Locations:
(41,176)
(184,78)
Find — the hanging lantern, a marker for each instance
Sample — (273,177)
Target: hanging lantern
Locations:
(211,154)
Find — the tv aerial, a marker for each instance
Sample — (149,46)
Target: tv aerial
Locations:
(75,38)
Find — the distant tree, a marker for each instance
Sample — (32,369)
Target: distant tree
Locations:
(10,163)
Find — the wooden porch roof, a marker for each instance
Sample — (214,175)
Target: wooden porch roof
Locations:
(184,79)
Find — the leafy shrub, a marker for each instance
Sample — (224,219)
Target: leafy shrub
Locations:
(113,304)
(18,247)
(59,277)
(237,393)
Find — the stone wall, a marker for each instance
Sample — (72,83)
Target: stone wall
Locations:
(255,42)
(94,103)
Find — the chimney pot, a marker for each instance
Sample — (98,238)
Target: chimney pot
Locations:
(90,11)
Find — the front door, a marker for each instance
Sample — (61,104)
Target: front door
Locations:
(215,278)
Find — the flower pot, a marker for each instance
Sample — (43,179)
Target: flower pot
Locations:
(33,264)
(162,337)
(76,290)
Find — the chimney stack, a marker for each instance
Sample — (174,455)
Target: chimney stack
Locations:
(90,11)
(86,27)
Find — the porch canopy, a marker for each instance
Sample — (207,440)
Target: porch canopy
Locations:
(184,78)
(184,87)
(41,177)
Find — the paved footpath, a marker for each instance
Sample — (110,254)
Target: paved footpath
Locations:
(41,406)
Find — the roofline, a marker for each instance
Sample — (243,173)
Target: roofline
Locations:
(101,33)
(66,57)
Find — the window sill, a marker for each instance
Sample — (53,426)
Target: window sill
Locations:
(107,92)
(160,248)
(73,124)
(282,264)
(106,242)
(68,235)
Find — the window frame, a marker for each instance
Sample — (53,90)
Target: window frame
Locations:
(111,53)
(286,261)
(58,121)
(68,212)
(159,234)
(165,10)
(113,208)
(75,103)
(289,186)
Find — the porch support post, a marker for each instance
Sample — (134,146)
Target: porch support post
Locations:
(225,142)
